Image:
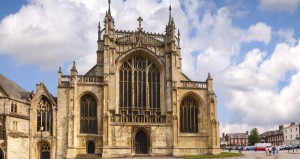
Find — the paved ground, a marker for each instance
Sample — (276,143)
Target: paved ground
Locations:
(247,155)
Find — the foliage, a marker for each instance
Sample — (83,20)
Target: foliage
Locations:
(254,137)
(223,154)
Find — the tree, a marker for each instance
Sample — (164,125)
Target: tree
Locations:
(254,137)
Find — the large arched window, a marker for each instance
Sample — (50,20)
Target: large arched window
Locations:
(139,83)
(44,115)
(88,114)
(189,115)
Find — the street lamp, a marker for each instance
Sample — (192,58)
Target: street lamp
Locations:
(41,129)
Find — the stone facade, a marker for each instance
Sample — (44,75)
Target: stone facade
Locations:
(291,134)
(135,100)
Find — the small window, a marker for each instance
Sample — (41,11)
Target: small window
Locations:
(15,125)
(291,136)
(291,130)
(16,108)
(13,108)
(296,129)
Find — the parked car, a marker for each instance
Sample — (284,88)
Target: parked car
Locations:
(249,148)
(258,148)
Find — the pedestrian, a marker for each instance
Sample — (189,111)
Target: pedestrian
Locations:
(277,150)
(270,150)
(267,151)
(273,150)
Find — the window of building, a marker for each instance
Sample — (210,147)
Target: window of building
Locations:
(88,114)
(140,78)
(291,136)
(286,137)
(296,129)
(189,115)
(15,125)
(44,115)
(291,130)
(13,108)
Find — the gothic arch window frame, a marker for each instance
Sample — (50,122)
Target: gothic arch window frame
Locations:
(198,116)
(87,118)
(44,147)
(138,83)
(44,114)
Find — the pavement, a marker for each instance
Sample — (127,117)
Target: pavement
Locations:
(247,155)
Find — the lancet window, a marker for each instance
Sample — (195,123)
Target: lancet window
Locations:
(88,114)
(189,115)
(44,115)
(139,86)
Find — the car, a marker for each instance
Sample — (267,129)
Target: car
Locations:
(249,148)
(258,148)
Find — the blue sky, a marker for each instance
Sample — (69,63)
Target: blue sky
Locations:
(251,48)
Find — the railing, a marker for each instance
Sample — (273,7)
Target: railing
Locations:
(90,79)
(136,116)
(66,80)
(134,37)
(193,84)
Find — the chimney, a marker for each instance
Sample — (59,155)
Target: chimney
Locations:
(280,127)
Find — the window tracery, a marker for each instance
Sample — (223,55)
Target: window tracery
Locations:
(88,114)
(189,115)
(139,86)
(44,115)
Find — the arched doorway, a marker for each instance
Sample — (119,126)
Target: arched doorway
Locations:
(91,147)
(45,150)
(141,143)
(1,154)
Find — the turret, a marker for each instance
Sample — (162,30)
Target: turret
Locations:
(170,28)
(109,21)
(74,70)
(209,82)
(59,73)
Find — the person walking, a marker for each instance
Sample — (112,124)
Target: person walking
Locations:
(273,150)
(267,151)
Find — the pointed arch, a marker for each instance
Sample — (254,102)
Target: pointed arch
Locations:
(139,85)
(190,107)
(88,114)
(44,116)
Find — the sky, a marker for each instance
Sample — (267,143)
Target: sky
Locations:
(251,48)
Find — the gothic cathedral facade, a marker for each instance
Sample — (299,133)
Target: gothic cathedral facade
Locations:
(135,100)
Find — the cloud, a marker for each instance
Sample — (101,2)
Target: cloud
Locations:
(287,35)
(279,5)
(262,90)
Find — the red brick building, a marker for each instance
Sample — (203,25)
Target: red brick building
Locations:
(237,139)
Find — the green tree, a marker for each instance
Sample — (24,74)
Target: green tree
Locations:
(254,137)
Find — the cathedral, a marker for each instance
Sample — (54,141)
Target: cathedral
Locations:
(135,100)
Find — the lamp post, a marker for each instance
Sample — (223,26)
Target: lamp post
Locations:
(41,129)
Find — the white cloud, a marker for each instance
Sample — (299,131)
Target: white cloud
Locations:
(279,5)
(287,35)
(253,87)
(259,32)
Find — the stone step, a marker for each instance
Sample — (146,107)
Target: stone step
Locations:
(87,156)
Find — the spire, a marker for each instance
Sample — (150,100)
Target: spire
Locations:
(59,70)
(99,31)
(74,70)
(209,77)
(109,7)
(170,14)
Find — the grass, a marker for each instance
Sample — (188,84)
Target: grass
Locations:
(223,154)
